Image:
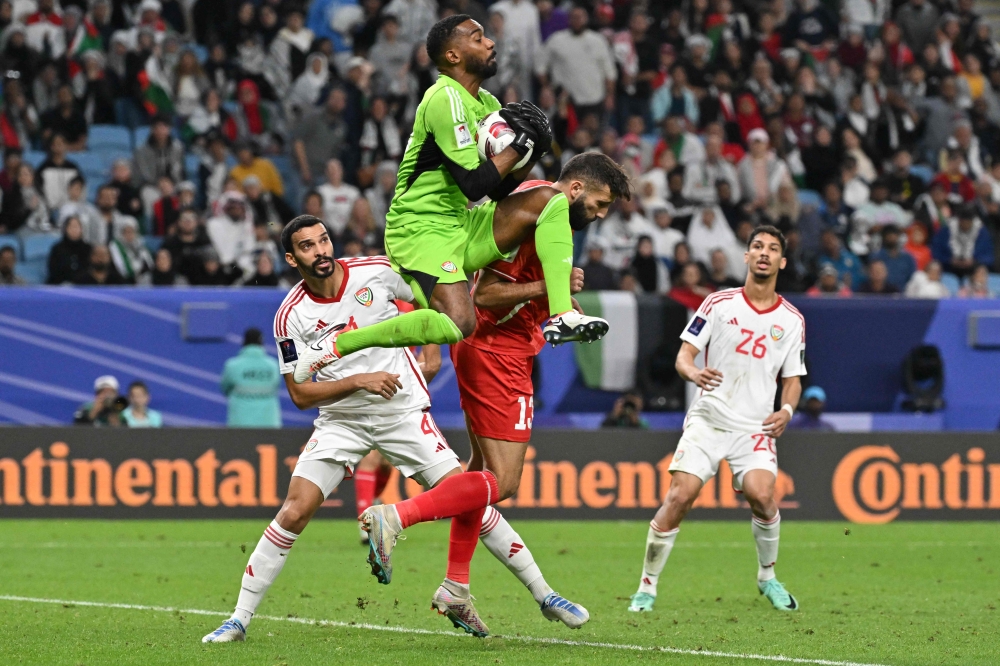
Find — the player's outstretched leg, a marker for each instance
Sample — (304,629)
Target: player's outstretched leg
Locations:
(758,488)
(454,496)
(454,601)
(507,546)
(663,529)
(269,557)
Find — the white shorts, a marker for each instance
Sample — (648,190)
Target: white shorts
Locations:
(410,441)
(703,447)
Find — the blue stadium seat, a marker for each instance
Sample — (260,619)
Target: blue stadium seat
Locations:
(109,155)
(109,136)
(922,171)
(140,135)
(951,282)
(153,243)
(34,271)
(810,198)
(200,52)
(191,164)
(994,282)
(13,241)
(90,162)
(34,157)
(37,246)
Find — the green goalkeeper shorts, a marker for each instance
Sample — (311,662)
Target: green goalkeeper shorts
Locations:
(431,252)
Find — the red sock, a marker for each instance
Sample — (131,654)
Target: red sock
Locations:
(462,544)
(364,490)
(382,477)
(454,496)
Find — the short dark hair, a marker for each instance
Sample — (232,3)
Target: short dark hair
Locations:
(138,384)
(441,33)
(299,223)
(4,249)
(770,231)
(598,169)
(78,180)
(252,336)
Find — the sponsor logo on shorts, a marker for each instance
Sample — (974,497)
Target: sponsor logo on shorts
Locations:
(696,325)
(312,444)
(777,332)
(364,296)
(449,267)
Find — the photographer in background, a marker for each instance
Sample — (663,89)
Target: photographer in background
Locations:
(626,413)
(107,406)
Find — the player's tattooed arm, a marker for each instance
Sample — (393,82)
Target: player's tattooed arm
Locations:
(312,394)
(706,379)
(791,392)
(492,291)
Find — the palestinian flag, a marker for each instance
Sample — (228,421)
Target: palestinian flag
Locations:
(609,364)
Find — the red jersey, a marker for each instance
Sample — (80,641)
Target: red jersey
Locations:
(514,331)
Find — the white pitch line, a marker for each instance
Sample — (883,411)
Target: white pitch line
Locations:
(430,632)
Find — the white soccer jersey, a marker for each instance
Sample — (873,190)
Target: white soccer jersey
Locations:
(366,297)
(751,348)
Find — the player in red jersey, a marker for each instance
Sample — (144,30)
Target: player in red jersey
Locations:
(494,371)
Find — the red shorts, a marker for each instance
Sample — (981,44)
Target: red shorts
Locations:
(496,392)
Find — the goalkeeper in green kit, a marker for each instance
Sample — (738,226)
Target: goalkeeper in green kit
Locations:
(433,239)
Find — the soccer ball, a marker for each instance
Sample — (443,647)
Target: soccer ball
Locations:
(493,134)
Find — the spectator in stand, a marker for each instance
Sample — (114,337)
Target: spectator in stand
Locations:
(249,164)
(522,35)
(391,57)
(927,283)
(138,414)
(709,232)
(214,168)
(250,382)
(338,197)
(211,272)
(702,177)
(55,173)
(978,284)
(95,231)
(552,18)
(650,273)
(129,197)
(878,280)
(185,245)
(761,172)
(110,219)
(932,208)
(686,147)
(963,243)
(900,264)
(626,413)
(66,119)
(596,274)
(579,60)
(129,254)
(829,284)
(380,139)
(847,265)
(166,210)
(918,19)
(872,217)
(161,156)
(718,273)
(415,18)
(320,136)
(957,185)
(810,414)
(8,264)
(106,407)
(264,276)
(100,270)
(904,187)
(70,256)
(380,194)
(691,288)
(621,231)
(916,245)
(25,210)
(163,274)
(231,232)
(190,84)
(665,238)
(269,210)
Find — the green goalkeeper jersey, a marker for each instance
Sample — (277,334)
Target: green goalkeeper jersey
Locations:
(444,127)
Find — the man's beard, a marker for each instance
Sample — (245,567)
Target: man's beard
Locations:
(482,69)
(321,273)
(578,215)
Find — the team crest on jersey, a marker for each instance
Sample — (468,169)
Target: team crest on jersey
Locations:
(777,332)
(449,267)
(312,444)
(364,296)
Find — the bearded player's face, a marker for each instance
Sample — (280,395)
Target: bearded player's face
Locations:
(763,257)
(477,50)
(312,252)
(589,205)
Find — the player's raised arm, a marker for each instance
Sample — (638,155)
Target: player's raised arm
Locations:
(705,378)
(312,394)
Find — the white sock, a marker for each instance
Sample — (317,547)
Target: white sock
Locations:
(508,547)
(265,564)
(766,533)
(658,547)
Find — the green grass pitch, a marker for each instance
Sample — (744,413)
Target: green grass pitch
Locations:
(904,593)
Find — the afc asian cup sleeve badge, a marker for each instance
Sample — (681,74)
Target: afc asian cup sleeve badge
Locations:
(449,267)
(777,332)
(364,296)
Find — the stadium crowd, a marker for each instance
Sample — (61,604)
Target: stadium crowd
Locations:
(164,142)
